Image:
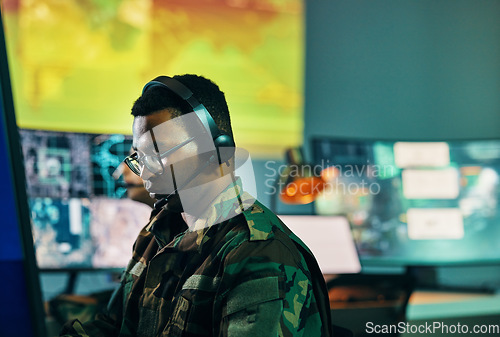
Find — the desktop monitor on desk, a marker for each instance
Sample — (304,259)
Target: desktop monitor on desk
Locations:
(329,239)
(80,215)
(414,203)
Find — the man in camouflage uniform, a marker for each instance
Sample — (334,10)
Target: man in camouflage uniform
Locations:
(212,261)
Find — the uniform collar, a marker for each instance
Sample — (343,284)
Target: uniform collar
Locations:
(228,204)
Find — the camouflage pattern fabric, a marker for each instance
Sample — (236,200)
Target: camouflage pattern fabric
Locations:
(247,276)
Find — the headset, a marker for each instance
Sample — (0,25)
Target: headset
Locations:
(220,139)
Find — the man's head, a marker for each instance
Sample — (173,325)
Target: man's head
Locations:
(175,145)
(159,98)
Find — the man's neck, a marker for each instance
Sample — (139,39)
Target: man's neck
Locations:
(199,205)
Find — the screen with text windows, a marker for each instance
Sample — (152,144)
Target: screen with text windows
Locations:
(414,203)
(80,215)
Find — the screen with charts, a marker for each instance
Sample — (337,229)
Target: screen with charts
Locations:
(80,215)
(414,203)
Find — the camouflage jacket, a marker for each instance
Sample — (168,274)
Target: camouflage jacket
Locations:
(246,276)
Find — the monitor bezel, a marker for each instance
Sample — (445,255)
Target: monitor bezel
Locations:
(16,163)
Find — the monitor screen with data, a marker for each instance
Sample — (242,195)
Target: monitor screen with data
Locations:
(80,216)
(414,203)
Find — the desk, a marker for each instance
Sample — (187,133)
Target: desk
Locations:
(450,308)
(435,304)
(424,307)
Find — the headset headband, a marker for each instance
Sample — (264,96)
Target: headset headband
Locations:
(182,91)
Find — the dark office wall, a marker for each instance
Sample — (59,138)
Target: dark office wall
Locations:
(405,69)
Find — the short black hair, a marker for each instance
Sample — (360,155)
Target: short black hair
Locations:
(205,91)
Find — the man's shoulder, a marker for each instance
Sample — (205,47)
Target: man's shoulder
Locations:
(259,244)
(259,225)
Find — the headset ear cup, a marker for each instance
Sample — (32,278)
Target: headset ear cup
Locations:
(225,147)
(223,140)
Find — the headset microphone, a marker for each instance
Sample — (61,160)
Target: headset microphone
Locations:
(133,185)
(127,185)
(163,201)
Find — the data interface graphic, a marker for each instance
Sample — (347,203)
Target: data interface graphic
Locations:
(414,203)
(79,212)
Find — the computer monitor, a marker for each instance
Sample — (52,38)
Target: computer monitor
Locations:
(63,165)
(21,311)
(86,234)
(330,240)
(80,215)
(414,203)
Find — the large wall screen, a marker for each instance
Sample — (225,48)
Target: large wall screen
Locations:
(79,65)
